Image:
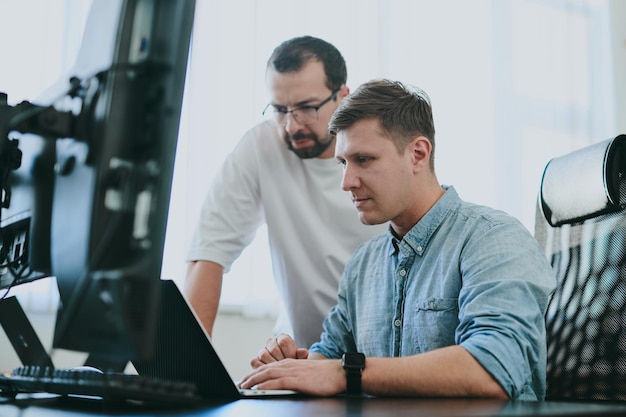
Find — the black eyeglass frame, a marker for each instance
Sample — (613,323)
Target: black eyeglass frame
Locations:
(284,114)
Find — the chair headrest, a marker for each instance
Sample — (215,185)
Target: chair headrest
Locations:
(585,183)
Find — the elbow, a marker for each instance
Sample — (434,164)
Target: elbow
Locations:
(499,394)
(494,391)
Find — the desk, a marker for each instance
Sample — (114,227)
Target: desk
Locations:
(319,407)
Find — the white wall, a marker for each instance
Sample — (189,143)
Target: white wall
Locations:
(618,32)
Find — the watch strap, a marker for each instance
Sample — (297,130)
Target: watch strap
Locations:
(353,381)
(353,364)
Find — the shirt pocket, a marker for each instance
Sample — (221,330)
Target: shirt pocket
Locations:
(436,320)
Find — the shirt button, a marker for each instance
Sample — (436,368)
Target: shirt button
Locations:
(402,272)
(419,249)
(397,322)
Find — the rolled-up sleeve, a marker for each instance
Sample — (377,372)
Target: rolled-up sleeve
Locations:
(502,305)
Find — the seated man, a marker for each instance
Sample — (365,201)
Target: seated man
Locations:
(449,302)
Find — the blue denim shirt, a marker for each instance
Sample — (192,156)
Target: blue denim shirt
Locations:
(464,274)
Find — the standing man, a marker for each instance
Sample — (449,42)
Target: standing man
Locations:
(449,302)
(283,173)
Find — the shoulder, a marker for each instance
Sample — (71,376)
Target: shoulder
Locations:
(484,217)
(476,224)
(452,209)
(262,135)
(259,146)
(483,229)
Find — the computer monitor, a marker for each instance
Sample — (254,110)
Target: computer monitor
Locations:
(88,202)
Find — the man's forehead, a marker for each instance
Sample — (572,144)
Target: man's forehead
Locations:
(364,136)
(290,88)
(351,142)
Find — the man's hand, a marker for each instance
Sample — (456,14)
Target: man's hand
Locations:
(277,349)
(323,377)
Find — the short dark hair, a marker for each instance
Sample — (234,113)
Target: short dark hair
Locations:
(293,54)
(404,112)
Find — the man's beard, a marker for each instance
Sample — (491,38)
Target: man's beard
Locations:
(314,151)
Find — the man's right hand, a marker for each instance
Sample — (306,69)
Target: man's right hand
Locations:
(279,348)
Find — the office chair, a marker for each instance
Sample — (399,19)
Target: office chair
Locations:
(581,224)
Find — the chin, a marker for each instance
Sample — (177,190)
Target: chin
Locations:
(305,153)
(369,220)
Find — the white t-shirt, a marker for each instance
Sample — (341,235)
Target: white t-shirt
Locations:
(313,227)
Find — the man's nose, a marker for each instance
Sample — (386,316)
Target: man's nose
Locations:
(349,181)
(291,123)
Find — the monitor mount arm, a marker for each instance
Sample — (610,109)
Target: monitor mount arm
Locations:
(26,117)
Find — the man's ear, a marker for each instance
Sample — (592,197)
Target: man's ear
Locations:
(420,148)
(342,93)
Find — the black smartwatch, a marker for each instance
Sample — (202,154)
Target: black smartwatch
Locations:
(353,363)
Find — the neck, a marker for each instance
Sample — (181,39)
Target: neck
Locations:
(424,201)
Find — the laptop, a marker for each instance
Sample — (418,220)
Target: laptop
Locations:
(183,352)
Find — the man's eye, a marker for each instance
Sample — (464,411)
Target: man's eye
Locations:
(363,159)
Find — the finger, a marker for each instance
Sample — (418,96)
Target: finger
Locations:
(287,345)
(302,353)
(275,349)
(255,363)
(265,356)
(251,380)
(266,377)
(243,383)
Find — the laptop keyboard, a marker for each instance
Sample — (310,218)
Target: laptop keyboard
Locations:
(108,386)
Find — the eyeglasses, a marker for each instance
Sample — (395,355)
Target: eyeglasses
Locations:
(304,115)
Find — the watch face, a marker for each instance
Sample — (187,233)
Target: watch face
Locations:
(353,360)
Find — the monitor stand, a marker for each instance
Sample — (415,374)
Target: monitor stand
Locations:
(28,346)
(21,334)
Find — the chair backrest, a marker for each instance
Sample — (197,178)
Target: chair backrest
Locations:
(581,224)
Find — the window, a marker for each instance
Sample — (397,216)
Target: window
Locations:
(513,83)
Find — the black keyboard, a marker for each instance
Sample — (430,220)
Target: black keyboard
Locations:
(108,385)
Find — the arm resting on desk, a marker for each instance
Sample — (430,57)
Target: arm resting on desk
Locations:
(447,372)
